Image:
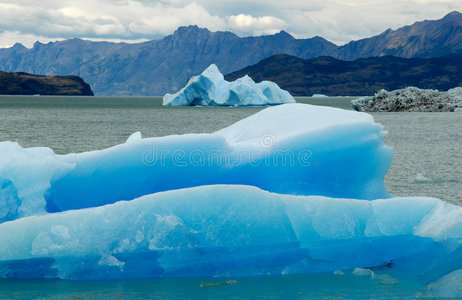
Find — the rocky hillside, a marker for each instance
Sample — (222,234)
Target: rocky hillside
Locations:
(28,84)
(422,39)
(361,77)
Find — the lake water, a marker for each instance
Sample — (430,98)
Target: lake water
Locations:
(425,143)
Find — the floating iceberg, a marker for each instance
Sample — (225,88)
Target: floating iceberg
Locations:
(310,150)
(411,99)
(284,191)
(211,89)
(233,230)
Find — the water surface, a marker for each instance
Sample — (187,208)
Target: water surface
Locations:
(425,143)
(319,286)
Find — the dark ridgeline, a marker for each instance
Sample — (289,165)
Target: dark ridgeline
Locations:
(364,76)
(160,66)
(28,84)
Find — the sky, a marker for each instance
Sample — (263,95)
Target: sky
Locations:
(339,21)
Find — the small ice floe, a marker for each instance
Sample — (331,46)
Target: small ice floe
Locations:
(362,272)
(338,272)
(421,178)
(382,278)
(217,283)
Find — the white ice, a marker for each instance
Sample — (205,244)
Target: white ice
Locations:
(211,89)
(411,99)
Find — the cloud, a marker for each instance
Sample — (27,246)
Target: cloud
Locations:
(248,24)
(132,20)
(105,19)
(9,38)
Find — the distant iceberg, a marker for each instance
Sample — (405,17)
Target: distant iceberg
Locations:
(211,89)
(411,99)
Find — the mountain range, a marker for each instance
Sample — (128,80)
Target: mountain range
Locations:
(422,39)
(364,76)
(164,65)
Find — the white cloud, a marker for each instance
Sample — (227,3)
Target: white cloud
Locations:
(337,20)
(128,19)
(243,23)
(9,38)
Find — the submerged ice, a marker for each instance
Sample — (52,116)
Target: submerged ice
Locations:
(210,88)
(284,191)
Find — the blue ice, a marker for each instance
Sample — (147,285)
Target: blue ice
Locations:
(287,190)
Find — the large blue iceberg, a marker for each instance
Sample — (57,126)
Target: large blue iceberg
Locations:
(287,190)
(234,230)
(290,149)
(211,89)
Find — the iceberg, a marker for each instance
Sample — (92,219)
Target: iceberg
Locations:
(411,99)
(211,89)
(293,189)
(234,230)
(310,150)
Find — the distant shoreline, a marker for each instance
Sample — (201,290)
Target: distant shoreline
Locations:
(26,84)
